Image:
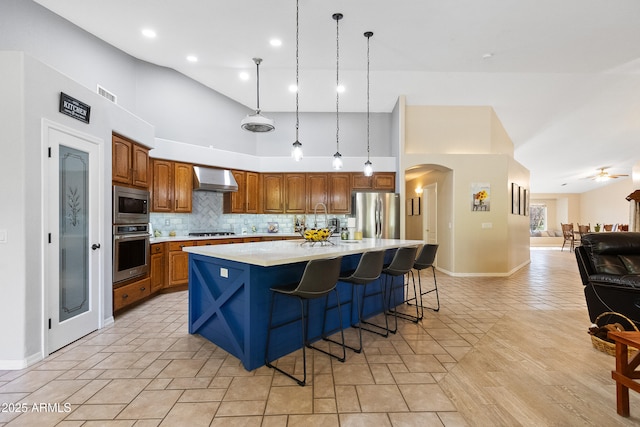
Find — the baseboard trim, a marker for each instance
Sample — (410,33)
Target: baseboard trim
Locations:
(503,274)
(15,365)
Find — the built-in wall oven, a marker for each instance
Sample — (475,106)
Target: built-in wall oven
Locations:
(131,255)
(130,251)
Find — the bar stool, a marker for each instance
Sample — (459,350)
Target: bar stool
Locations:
(368,270)
(401,265)
(425,260)
(319,278)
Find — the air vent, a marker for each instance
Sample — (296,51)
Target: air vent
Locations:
(110,96)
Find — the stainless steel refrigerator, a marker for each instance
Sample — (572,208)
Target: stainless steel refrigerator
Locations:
(377,214)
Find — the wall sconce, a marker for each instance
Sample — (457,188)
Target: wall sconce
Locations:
(418,191)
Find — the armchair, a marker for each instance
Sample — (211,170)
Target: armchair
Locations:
(609,266)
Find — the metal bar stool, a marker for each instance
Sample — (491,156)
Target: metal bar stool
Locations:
(368,270)
(425,260)
(319,278)
(401,265)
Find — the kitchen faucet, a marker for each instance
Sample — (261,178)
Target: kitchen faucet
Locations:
(315,215)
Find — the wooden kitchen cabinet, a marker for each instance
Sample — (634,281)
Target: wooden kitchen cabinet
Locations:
(128,294)
(273,193)
(384,181)
(130,162)
(245,200)
(295,193)
(339,193)
(178,264)
(380,181)
(172,186)
(317,191)
(157,267)
(182,187)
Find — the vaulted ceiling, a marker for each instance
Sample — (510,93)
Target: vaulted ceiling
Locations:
(562,76)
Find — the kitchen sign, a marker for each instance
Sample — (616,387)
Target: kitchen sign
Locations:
(74,108)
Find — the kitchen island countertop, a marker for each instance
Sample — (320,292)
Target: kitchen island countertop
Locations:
(280,252)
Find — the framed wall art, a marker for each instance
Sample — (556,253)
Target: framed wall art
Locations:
(481,196)
(515,198)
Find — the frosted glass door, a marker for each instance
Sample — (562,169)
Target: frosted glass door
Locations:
(74,233)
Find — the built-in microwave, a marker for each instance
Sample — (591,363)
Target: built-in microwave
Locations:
(130,205)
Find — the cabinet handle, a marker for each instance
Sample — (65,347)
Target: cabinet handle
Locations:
(125,296)
(142,288)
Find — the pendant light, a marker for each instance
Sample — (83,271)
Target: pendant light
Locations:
(296,151)
(368,166)
(257,122)
(337,158)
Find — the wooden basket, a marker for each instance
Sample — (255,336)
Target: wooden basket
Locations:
(610,347)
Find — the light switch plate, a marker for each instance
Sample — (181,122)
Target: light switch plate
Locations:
(224,272)
(487,225)
(3,236)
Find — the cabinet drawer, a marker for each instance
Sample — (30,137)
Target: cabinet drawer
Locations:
(128,294)
(157,248)
(177,246)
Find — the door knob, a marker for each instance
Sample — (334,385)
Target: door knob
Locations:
(95,246)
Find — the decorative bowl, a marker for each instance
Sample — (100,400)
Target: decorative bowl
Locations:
(317,235)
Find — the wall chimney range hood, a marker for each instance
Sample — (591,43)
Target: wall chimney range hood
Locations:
(212,179)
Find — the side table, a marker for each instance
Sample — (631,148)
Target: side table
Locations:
(626,374)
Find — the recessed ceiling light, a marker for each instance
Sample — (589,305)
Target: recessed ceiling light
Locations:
(340,89)
(192,58)
(275,42)
(244,75)
(488,55)
(293,88)
(148,32)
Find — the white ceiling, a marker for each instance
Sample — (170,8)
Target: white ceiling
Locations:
(564,76)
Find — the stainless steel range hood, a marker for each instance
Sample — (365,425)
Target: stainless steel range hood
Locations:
(211,179)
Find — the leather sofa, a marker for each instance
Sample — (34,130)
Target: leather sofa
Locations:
(609,265)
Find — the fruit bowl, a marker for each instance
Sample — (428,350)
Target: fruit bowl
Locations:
(317,235)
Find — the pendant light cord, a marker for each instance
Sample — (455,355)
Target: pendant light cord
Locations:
(368,36)
(337,17)
(257,61)
(297,66)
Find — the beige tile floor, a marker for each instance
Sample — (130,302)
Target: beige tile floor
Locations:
(501,352)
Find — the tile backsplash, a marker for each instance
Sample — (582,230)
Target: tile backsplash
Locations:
(207,215)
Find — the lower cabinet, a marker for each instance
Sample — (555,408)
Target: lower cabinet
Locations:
(178,265)
(157,267)
(128,294)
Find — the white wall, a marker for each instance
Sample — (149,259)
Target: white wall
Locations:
(31,92)
(607,204)
(12,211)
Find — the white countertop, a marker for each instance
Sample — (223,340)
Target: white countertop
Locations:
(234,236)
(278,252)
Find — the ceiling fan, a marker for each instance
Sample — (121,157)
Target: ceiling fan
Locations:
(603,175)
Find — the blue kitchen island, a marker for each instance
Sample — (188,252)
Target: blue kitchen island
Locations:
(229,293)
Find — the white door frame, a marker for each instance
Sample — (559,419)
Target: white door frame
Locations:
(46,126)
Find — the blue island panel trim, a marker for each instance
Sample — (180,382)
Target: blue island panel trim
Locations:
(233,311)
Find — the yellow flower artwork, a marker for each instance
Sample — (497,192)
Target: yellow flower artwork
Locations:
(480,196)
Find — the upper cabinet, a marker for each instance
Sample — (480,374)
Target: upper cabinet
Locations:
(245,200)
(295,193)
(130,163)
(272,193)
(317,191)
(339,193)
(380,181)
(172,186)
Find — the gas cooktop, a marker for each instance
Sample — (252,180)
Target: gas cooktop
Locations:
(212,233)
